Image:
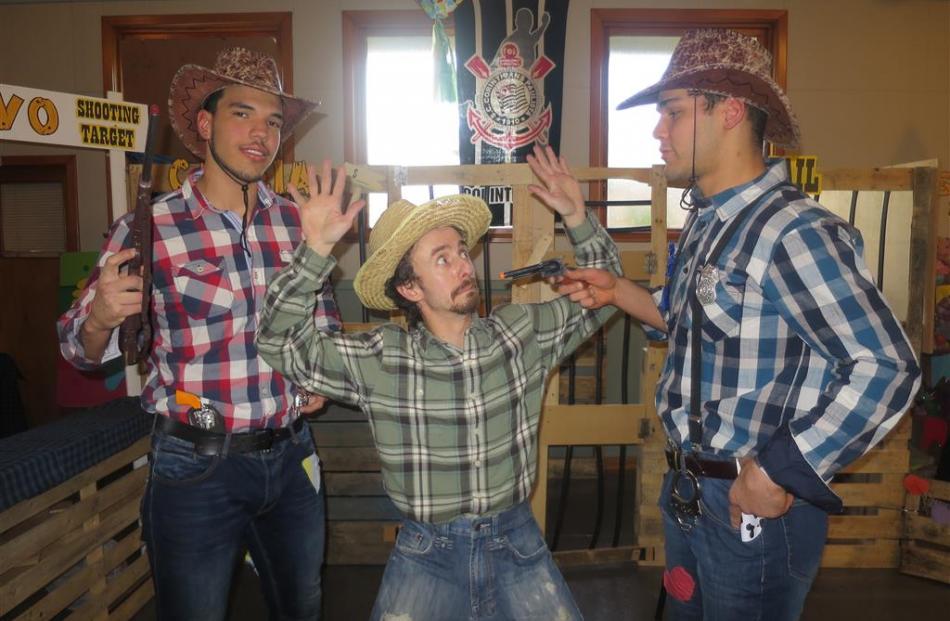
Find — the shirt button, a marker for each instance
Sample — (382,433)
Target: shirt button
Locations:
(420,392)
(478,463)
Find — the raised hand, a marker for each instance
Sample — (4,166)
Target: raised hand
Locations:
(590,287)
(561,191)
(117,296)
(322,217)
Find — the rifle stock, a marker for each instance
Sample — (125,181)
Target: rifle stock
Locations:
(135,333)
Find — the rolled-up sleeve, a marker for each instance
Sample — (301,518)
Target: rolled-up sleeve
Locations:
(821,287)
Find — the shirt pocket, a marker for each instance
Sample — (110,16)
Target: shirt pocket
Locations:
(204,288)
(722,317)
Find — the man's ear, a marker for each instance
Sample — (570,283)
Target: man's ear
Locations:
(204,120)
(410,291)
(733,111)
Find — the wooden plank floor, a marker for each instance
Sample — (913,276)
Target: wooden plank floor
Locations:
(621,590)
(624,591)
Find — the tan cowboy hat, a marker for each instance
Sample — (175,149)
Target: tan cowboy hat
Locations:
(728,63)
(192,85)
(401,226)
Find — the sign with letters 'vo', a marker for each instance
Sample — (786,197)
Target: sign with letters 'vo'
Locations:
(32,115)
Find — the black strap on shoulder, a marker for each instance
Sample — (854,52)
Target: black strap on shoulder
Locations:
(695,420)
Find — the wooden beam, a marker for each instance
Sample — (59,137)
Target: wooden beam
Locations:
(877,179)
(592,424)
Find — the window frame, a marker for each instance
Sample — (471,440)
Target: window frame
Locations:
(358,26)
(770,26)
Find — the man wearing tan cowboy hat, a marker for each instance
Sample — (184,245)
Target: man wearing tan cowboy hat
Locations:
(454,402)
(230,450)
(785,363)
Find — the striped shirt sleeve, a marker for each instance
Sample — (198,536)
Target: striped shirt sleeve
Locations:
(822,288)
(70,323)
(316,360)
(561,326)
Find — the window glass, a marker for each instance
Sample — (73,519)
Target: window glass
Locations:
(405,124)
(635,62)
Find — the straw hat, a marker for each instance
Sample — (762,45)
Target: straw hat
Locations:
(192,85)
(401,226)
(728,63)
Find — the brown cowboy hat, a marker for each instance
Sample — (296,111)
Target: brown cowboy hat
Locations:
(192,85)
(401,226)
(728,63)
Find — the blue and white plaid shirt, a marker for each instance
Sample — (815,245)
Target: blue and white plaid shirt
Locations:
(804,364)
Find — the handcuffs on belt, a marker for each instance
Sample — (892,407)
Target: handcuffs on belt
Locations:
(685,504)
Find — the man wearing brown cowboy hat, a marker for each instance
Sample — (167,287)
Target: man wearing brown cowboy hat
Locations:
(230,450)
(454,402)
(785,363)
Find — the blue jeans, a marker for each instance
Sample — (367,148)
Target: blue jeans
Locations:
(199,513)
(492,567)
(712,574)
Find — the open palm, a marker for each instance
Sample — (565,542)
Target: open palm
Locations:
(561,191)
(322,215)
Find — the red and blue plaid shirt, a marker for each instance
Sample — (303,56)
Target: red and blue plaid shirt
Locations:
(206,299)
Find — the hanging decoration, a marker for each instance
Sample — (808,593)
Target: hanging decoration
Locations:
(443,55)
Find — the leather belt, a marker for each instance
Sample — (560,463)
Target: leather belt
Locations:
(712,468)
(210,443)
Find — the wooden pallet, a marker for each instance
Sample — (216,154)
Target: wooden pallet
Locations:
(925,544)
(867,534)
(361,519)
(77,548)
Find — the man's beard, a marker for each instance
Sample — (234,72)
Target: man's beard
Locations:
(471,304)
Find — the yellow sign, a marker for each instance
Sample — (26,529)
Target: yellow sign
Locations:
(803,172)
(279,176)
(70,120)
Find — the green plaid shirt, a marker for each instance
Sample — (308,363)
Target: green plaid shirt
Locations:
(456,429)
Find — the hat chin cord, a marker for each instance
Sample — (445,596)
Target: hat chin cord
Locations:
(686,198)
(244,183)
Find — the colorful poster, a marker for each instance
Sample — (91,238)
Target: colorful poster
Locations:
(942,298)
(510,69)
(75,388)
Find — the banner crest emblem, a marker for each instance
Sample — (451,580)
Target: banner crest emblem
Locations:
(508,111)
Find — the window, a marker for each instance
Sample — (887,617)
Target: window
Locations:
(634,63)
(630,48)
(38,205)
(392,116)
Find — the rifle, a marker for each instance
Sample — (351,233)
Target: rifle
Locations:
(135,333)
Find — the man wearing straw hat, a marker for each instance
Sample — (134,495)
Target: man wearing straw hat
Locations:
(231,453)
(785,363)
(454,402)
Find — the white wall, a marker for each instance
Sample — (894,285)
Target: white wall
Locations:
(869,79)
